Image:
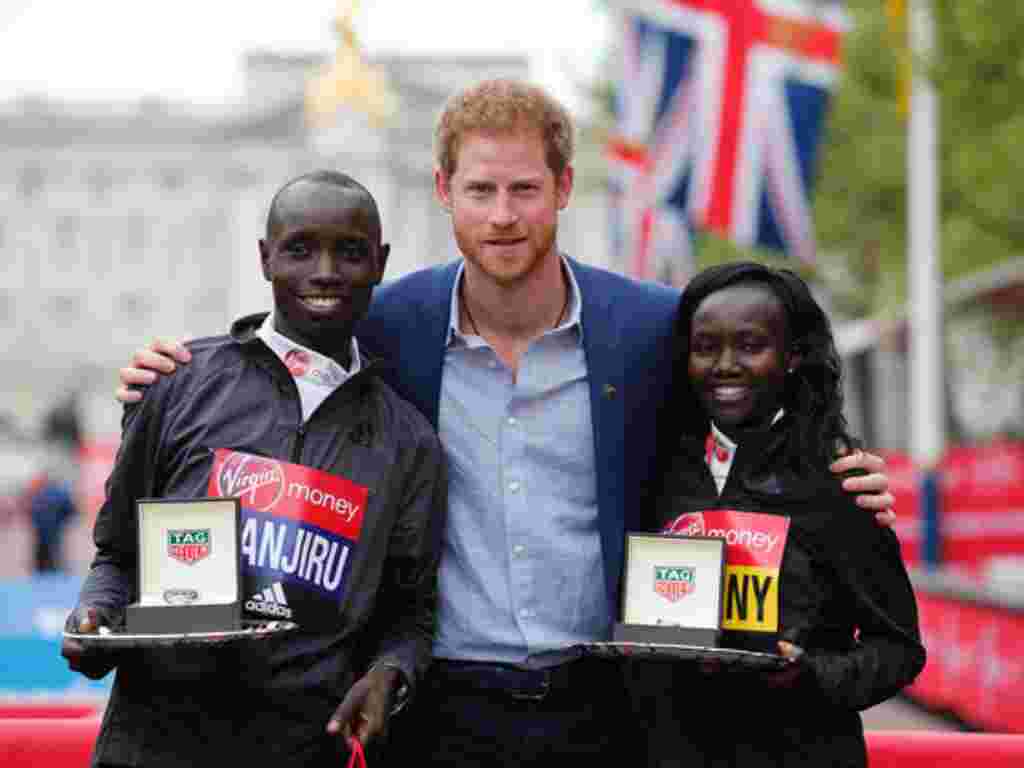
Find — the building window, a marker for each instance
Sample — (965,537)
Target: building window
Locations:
(132,308)
(30,183)
(172,179)
(241,177)
(100,182)
(63,257)
(211,227)
(132,239)
(65,311)
(67,232)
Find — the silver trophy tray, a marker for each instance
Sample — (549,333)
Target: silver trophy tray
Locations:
(672,652)
(250,630)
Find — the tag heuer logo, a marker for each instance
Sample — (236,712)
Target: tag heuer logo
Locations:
(674,582)
(180,596)
(189,545)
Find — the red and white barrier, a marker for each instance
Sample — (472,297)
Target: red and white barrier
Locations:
(47,742)
(975,669)
(67,743)
(940,749)
(51,710)
(982,504)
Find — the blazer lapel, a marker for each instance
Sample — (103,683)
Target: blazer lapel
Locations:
(606,375)
(428,357)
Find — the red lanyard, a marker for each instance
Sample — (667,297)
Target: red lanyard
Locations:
(713,446)
(356,756)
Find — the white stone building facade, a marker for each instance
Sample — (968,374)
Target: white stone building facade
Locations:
(122,222)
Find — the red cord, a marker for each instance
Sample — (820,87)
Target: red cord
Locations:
(356,756)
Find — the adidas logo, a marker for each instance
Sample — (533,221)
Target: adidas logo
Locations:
(270,601)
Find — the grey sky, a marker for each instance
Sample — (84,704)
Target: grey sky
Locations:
(191,49)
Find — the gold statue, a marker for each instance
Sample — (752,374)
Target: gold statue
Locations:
(348,80)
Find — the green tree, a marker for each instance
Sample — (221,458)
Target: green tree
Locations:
(861,197)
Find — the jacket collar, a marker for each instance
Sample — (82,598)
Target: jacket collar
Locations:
(243,331)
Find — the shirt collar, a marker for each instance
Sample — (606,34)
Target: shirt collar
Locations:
(723,440)
(572,314)
(303,362)
(723,445)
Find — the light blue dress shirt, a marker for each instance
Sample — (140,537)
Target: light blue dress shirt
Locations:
(522,569)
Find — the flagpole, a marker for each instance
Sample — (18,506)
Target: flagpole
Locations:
(927,404)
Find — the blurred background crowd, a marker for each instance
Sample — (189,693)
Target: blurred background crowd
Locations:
(130,208)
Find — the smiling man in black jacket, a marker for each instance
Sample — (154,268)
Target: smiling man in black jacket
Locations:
(288,394)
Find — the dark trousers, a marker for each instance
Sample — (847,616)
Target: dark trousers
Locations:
(471,714)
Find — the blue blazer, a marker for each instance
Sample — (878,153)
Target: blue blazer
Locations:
(627,331)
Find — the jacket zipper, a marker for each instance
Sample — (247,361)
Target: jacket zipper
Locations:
(300,432)
(300,438)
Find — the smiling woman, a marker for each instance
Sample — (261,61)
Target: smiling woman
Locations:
(740,355)
(760,391)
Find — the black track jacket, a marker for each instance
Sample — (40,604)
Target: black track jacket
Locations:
(844,596)
(267,703)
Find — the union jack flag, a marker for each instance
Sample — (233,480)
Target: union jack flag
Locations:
(720,107)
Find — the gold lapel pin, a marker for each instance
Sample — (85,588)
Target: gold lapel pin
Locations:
(609,391)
